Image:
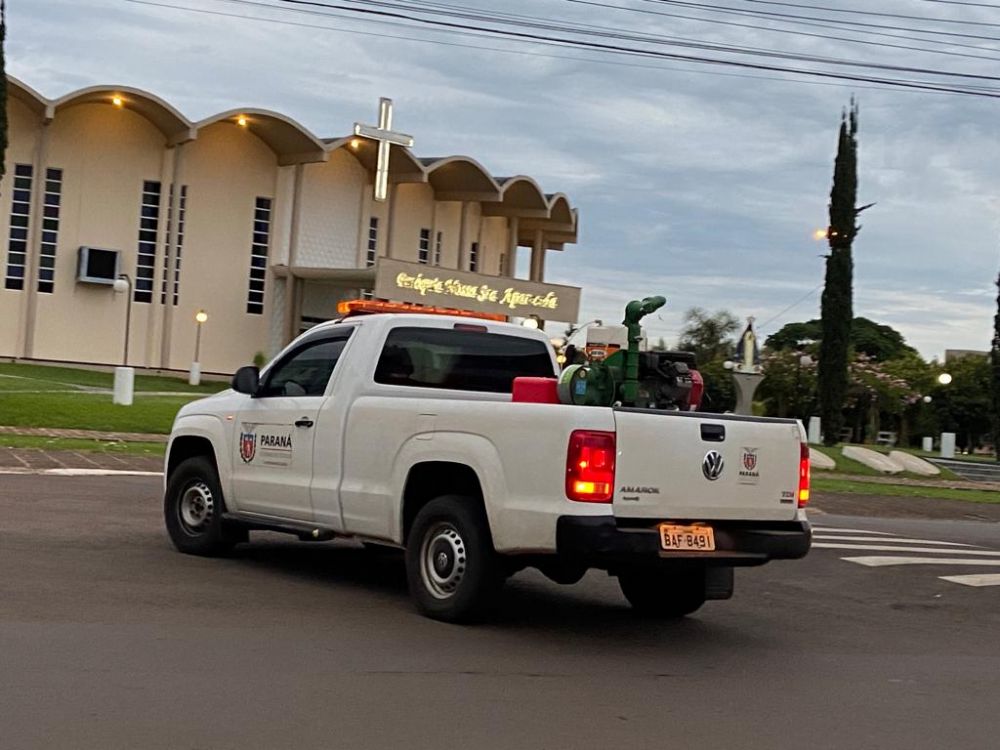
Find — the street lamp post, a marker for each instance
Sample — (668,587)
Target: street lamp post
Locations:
(194,375)
(947,438)
(124,385)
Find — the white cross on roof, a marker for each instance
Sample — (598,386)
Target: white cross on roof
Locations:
(385,136)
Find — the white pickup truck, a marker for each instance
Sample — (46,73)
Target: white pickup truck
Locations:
(401,430)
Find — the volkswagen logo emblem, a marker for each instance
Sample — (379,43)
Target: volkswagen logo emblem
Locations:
(712,465)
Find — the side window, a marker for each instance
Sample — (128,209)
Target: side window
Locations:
(306,370)
(460,359)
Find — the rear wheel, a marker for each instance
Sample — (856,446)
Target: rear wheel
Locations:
(193,508)
(453,571)
(664,593)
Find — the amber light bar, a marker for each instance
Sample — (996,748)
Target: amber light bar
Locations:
(371,306)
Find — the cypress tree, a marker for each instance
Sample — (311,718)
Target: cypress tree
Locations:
(995,360)
(837,306)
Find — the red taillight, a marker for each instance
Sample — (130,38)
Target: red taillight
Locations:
(590,466)
(804,475)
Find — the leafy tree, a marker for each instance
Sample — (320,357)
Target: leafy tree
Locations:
(837,306)
(720,390)
(965,406)
(995,364)
(867,337)
(708,336)
(789,385)
(794,335)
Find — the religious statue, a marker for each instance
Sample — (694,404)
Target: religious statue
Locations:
(747,352)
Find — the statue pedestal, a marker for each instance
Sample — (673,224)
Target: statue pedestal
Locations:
(746,386)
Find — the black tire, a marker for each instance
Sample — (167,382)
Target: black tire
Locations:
(664,593)
(454,574)
(192,509)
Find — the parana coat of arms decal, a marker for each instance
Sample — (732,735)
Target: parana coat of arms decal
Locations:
(248,445)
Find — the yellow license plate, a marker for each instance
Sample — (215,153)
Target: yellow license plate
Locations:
(686,538)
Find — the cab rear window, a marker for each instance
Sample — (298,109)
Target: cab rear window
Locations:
(460,359)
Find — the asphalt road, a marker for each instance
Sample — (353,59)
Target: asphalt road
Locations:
(111,639)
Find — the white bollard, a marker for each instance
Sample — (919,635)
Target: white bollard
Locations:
(194,374)
(815,431)
(124,386)
(928,444)
(947,445)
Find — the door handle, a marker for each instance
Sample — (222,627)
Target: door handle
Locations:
(304,422)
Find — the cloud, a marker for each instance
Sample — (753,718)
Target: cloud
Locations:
(703,184)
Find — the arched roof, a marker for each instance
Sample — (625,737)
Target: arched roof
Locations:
(519,196)
(34,101)
(403,165)
(174,126)
(291,142)
(452,177)
(560,210)
(460,178)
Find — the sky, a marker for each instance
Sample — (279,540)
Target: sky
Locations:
(701,183)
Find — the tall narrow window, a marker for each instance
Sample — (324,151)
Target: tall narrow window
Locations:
(145,259)
(424,252)
(437,249)
(474,257)
(258,255)
(371,254)
(50,230)
(181,211)
(20,217)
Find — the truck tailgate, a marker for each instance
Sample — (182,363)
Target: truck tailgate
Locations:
(688,466)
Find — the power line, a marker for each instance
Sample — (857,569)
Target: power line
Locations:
(878,14)
(502,50)
(391,10)
(726,9)
(812,35)
(381,13)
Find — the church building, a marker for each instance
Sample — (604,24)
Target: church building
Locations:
(250,219)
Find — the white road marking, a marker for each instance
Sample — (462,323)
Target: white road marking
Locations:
(976,579)
(887,548)
(894,540)
(832,530)
(880,561)
(80,472)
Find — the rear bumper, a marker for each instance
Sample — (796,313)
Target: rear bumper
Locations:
(607,542)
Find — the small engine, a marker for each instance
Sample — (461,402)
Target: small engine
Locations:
(616,372)
(666,380)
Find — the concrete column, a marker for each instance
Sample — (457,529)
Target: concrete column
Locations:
(172,231)
(29,298)
(511,247)
(292,286)
(538,256)
(390,219)
(463,238)
(746,385)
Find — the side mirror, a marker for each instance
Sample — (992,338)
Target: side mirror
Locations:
(246,380)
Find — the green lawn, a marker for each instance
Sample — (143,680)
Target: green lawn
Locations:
(89,411)
(72,444)
(860,487)
(24,377)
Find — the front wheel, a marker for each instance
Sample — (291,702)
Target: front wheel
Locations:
(193,508)
(451,567)
(664,593)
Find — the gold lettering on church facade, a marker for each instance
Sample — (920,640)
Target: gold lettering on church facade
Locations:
(511,297)
(405,281)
